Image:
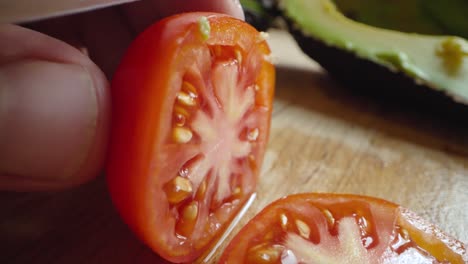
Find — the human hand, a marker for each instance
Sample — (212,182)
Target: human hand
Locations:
(54,94)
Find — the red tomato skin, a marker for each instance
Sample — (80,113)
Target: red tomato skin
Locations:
(138,100)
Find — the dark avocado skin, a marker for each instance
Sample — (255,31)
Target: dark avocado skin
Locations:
(260,13)
(391,88)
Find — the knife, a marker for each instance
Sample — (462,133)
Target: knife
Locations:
(19,11)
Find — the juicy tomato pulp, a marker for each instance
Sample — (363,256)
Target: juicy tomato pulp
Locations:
(332,228)
(192,104)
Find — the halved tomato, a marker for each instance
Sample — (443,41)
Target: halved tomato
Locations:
(334,228)
(192,104)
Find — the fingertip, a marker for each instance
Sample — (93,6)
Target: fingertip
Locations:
(54,117)
(237,10)
(229,7)
(93,164)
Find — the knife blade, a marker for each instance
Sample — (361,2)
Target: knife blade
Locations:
(19,11)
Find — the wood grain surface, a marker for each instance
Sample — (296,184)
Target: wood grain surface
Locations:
(324,138)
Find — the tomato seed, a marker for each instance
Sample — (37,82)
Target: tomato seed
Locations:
(253,134)
(238,56)
(236,191)
(252,163)
(181,111)
(189,88)
(182,134)
(262,36)
(178,189)
(187,219)
(284,221)
(201,191)
(190,212)
(329,216)
(264,254)
(303,228)
(404,233)
(186,99)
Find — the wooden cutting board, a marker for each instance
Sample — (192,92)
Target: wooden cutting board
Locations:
(324,138)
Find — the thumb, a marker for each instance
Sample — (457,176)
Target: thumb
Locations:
(53,113)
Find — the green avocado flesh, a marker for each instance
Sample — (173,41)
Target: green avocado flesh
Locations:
(436,61)
(432,17)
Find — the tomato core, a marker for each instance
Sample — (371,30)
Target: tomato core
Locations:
(214,115)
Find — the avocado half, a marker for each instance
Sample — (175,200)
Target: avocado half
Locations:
(378,57)
(427,68)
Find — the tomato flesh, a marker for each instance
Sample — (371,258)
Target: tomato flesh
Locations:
(192,105)
(332,228)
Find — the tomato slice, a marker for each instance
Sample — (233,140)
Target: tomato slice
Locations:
(192,103)
(334,228)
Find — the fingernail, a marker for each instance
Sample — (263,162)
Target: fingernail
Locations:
(237,10)
(48,115)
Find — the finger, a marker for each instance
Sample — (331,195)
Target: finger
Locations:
(102,34)
(53,113)
(145,12)
(106,33)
